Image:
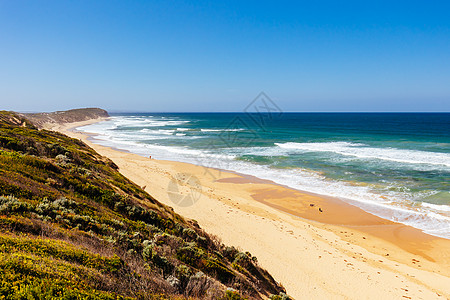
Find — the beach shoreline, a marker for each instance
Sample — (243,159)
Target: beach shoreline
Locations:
(316,246)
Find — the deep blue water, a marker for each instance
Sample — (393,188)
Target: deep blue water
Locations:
(396,165)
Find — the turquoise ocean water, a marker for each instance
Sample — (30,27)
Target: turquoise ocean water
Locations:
(395,165)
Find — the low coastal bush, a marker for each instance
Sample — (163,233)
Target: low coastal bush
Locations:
(10,204)
(230,252)
(49,269)
(281,296)
(60,250)
(219,269)
(191,254)
(231,294)
(73,227)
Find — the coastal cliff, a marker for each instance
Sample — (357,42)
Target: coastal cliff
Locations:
(72,226)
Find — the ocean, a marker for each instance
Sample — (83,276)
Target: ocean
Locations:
(394,165)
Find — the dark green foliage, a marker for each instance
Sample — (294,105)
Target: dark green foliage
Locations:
(230,252)
(281,296)
(216,267)
(191,254)
(231,294)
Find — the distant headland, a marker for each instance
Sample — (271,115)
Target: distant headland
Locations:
(67,116)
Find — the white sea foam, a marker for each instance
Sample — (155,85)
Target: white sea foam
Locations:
(158,131)
(362,151)
(222,130)
(152,123)
(131,142)
(436,207)
(132,122)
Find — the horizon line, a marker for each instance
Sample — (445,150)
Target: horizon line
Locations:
(253,112)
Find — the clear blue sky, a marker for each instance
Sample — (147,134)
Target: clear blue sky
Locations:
(217,56)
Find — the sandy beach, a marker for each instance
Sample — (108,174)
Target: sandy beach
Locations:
(318,247)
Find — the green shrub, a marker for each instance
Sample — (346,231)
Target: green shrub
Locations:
(230,252)
(189,233)
(163,263)
(62,160)
(148,251)
(150,254)
(183,272)
(60,206)
(281,296)
(242,259)
(190,254)
(231,294)
(217,268)
(9,204)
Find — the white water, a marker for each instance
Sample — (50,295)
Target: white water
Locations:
(365,152)
(393,205)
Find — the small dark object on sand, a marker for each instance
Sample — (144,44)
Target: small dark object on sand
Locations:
(311,204)
(320,209)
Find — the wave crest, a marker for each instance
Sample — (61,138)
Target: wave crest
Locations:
(363,151)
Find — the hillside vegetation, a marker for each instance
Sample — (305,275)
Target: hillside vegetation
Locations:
(67,116)
(72,227)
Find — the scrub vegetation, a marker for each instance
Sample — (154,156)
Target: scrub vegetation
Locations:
(73,227)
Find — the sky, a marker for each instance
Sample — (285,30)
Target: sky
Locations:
(182,56)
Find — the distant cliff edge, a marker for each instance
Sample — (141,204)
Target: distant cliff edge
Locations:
(67,116)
